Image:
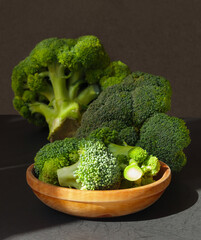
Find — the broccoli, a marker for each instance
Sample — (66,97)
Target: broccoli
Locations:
(53,156)
(150,166)
(97,169)
(114,74)
(106,135)
(142,167)
(133,172)
(137,154)
(165,137)
(48,173)
(125,106)
(55,83)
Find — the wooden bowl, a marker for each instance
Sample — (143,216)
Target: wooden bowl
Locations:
(99,204)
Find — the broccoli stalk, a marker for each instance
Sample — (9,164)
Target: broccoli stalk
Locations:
(67,177)
(119,150)
(133,172)
(65,104)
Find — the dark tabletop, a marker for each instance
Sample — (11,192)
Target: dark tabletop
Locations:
(176,215)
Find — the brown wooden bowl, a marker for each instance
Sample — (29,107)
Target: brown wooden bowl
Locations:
(98,203)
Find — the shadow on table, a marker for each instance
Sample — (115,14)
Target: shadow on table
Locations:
(21,211)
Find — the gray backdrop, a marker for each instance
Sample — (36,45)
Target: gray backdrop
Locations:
(162,37)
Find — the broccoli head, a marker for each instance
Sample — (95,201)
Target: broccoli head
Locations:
(55,83)
(97,168)
(165,137)
(125,106)
(53,156)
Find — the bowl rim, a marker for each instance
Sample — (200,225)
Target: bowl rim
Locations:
(116,195)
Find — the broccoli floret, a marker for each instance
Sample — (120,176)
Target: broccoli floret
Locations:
(97,169)
(54,155)
(127,104)
(129,135)
(114,74)
(55,83)
(138,155)
(48,173)
(150,166)
(106,135)
(165,137)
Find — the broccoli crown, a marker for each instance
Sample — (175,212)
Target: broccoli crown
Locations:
(137,154)
(165,137)
(55,155)
(127,105)
(59,78)
(98,168)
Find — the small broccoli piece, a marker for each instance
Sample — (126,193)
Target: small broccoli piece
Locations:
(151,166)
(165,137)
(58,80)
(48,173)
(60,153)
(133,172)
(138,155)
(96,169)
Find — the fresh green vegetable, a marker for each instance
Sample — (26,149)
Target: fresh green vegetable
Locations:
(133,172)
(53,156)
(59,79)
(165,137)
(96,169)
(138,155)
(150,166)
(124,107)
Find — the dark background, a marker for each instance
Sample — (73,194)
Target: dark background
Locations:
(159,37)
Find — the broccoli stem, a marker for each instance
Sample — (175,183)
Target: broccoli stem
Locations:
(48,92)
(42,108)
(74,83)
(58,80)
(67,178)
(132,172)
(88,94)
(119,150)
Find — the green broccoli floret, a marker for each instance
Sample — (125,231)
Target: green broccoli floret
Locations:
(57,81)
(150,166)
(48,173)
(55,155)
(97,169)
(114,74)
(106,135)
(165,137)
(127,104)
(137,154)
(141,168)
